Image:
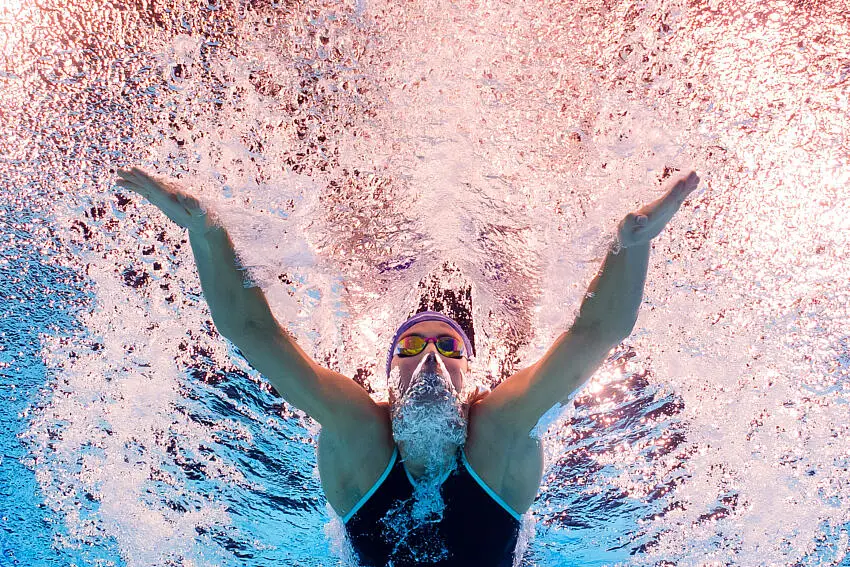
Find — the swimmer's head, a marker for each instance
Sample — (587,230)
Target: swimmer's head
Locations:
(455,369)
(430,393)
(429,324)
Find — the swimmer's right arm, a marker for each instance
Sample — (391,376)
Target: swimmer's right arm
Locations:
(230,303)
(242,314)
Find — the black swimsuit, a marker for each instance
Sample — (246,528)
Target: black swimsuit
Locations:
(477,528)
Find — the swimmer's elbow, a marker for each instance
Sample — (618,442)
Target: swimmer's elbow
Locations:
(326,396)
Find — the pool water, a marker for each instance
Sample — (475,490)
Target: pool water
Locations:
(373,158)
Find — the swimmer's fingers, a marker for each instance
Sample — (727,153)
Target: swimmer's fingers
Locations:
(662,209)
(139,182)
(127,180)
(667,205)
(479,394)
(160,192)
(178,205)
(684,187)
(134,174)
(647,222)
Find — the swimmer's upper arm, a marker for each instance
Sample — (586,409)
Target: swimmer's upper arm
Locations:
(516,405)
(329,397)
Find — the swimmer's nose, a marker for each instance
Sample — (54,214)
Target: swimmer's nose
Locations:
(430,364)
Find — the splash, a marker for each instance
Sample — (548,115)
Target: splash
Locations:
(429,426)
(522,135)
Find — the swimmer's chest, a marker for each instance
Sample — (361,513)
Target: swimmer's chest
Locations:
(350,466)
(464,525)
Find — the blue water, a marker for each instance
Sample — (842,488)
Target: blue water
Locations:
(370,159)
(28,312)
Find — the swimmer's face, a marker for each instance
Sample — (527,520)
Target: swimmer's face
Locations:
(456,367)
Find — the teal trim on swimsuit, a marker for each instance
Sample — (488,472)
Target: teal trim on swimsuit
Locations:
(375,487)
(386,473)
(489,490)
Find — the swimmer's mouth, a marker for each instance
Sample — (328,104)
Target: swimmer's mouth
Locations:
(430,370)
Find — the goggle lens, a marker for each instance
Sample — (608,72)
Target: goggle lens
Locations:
(414,344)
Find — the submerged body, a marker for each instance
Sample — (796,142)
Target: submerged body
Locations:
(381,462)
(439,485)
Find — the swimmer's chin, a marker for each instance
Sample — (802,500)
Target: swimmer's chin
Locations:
(432,390)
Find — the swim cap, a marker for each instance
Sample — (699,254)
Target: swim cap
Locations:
(428,316)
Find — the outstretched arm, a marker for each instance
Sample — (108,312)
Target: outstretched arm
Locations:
(611,304)
(607,315)
(233,304)
(242,314)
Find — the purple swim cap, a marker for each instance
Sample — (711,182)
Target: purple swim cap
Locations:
(428,316)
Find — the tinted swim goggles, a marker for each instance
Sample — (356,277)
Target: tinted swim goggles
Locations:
(412,345)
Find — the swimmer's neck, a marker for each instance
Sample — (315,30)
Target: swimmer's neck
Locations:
(418,468)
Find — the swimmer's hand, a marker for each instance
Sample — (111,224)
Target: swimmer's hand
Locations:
(646,223)
(168,197)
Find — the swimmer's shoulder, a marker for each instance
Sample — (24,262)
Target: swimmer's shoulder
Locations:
(385,408)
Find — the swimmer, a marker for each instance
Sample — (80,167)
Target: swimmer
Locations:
(472,451)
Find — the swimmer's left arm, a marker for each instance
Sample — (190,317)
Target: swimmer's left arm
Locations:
(607,316)
(614,296)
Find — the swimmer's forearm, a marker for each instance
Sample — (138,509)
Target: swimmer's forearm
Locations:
(614,296)
(233,305)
